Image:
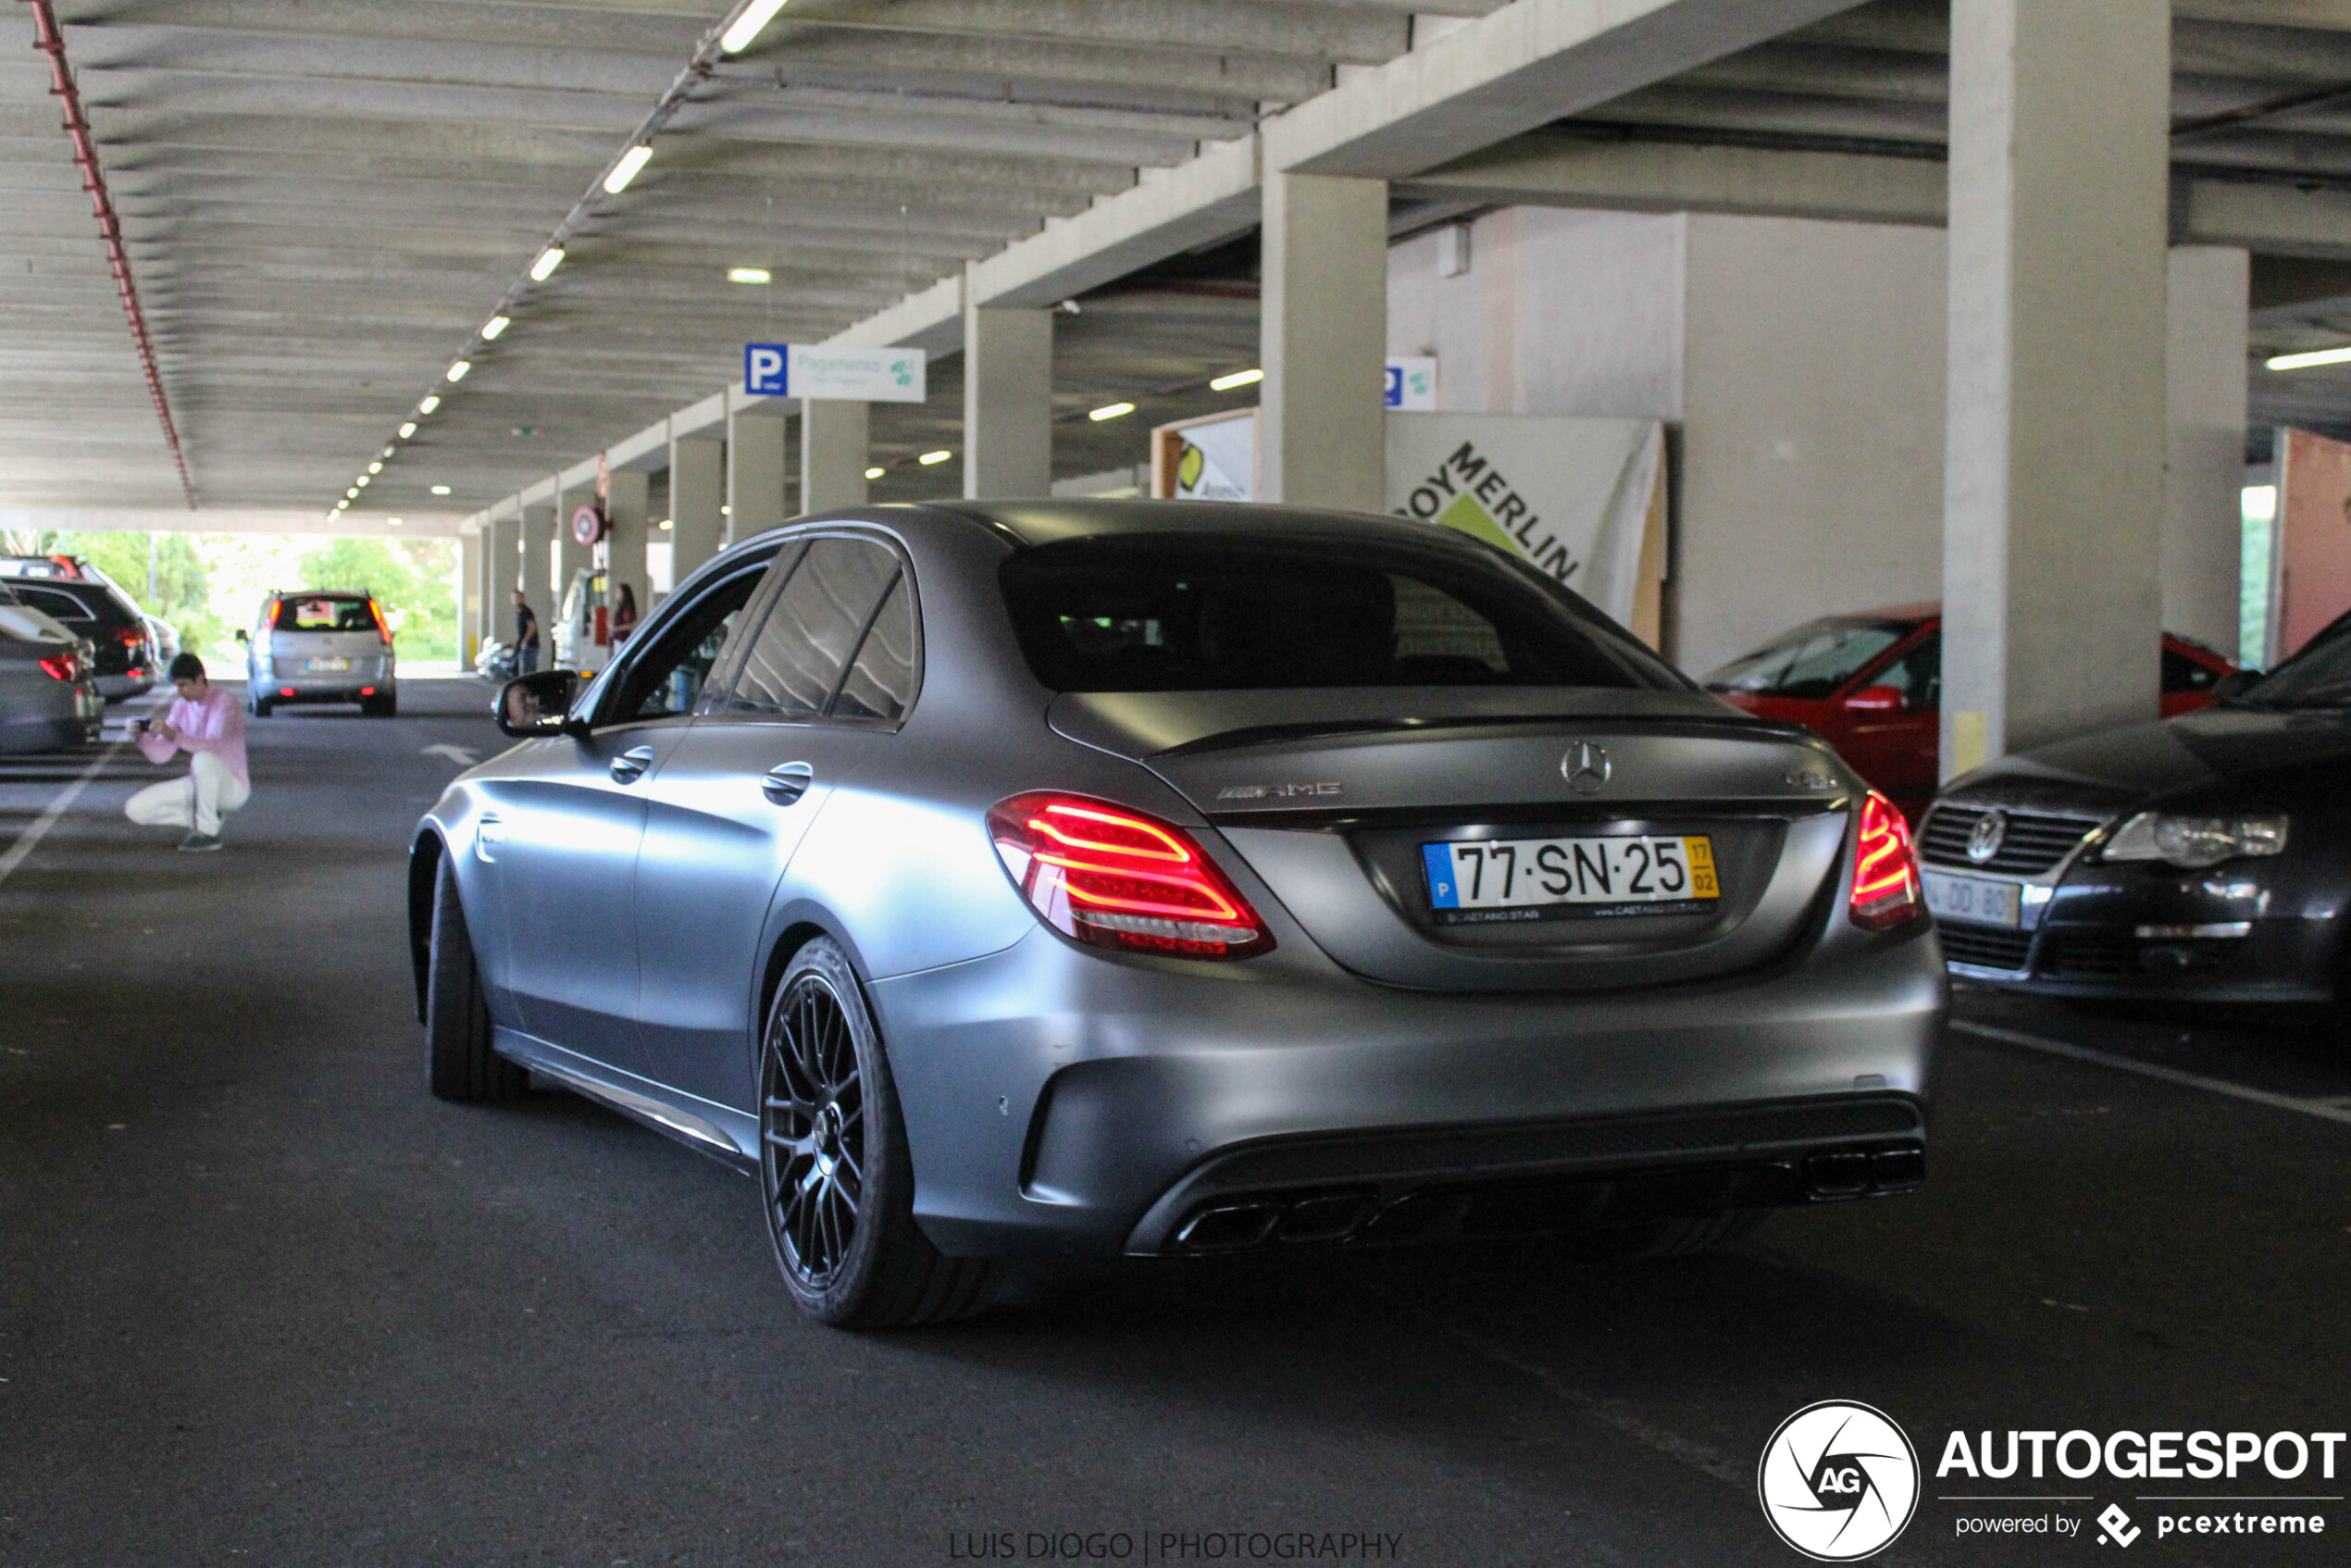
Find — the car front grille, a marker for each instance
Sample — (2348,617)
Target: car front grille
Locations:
(2031,845)
(2092,954)
(1985,947)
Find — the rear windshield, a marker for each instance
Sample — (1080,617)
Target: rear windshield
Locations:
(1811,661)
(1226,611)
(78,601)
(317,613)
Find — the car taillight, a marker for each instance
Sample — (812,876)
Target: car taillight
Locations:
(382,630)
(61,666)
(1886,869)
(130,636)
(1116,879)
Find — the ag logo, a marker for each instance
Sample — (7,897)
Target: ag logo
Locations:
(1839,1481)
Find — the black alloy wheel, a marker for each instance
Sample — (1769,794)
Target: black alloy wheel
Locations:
(836,1180)
(814,1136)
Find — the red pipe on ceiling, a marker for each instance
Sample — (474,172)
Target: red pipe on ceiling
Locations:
(52,43)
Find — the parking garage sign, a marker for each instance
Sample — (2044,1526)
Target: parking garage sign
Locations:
(853,375)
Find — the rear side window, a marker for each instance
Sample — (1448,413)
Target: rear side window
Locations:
(54,603)
(317,613)
(1239,612)
(819,625)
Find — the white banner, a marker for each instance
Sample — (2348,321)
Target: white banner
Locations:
(1572,496)
(850,375)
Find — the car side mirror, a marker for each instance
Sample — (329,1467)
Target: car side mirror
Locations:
(1877,700)
(539,704)
(241,635)
(2233,684)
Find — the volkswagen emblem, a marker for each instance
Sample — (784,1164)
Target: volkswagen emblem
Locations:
(1586,767)
(1983,840)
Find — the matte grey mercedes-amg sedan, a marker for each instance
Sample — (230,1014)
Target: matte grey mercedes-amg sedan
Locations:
(1064,881)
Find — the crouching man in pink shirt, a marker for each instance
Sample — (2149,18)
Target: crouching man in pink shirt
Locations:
(208,724)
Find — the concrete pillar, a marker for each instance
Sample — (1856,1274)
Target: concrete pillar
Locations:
(570,554)
(501,567)
(625,546)
(756,467)
(2204,474)
(538,571)
(1321,325)
(1008,403)
(833,448)
(471,550)
(2054,440)
(697,489)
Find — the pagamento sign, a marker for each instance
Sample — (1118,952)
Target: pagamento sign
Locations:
(1572,496)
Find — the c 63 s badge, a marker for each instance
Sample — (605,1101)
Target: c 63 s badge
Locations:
(1276,792)
(1839,1481)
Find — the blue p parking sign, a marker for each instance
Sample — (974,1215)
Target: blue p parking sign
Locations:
(766,369)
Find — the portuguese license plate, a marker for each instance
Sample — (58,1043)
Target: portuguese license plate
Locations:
(1477,880)
(326,664)
(1977,900)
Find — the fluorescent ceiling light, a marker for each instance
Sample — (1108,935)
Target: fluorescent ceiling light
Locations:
(748,275)
(626,169)
(726,511)
(375,468)
(457,371)
(394,522)
(927,459)
(362,482)
(1237,379)
(2303,361)
(430,403)
(407,429)
(750,25)
(494,327)
(440,490)
(876,473)
(667,524)
(1110,411)
(544,267)
(349,494)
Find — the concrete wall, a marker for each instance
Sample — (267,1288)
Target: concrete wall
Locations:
(1812,438)
(1803,363)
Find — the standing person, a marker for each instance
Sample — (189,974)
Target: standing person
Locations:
(209,725)
(624,616)
(526,636)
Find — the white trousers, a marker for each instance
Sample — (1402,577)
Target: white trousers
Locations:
(197,801)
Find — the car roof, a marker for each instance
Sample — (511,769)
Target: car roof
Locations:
(1049,522)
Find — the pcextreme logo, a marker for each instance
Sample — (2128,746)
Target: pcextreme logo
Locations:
(1838,1481)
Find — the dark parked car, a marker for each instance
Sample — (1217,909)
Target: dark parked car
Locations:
(1873,685)
(1078,879)
(48,696)
(2206,858)
(124,652)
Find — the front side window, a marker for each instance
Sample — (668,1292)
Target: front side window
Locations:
(1239,612)
(821,624)
(666,680)
(1811,661)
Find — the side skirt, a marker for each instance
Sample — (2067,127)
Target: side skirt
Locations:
(727,1135)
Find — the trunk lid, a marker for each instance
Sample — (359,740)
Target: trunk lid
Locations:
(1330,798)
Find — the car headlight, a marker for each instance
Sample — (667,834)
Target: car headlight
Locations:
(2195,842)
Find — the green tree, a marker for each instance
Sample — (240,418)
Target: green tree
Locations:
(164,573)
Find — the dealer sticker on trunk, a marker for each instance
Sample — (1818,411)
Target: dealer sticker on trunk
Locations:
(1487,880)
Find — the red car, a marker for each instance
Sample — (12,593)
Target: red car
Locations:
(1872,685)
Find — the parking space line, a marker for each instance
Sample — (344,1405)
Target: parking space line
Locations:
(2325,1110)
(31,838)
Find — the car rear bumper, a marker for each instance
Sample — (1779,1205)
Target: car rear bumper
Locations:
(1060,1103)
(338,688)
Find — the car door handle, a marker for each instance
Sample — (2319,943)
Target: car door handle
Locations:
(786,784)
(630,766)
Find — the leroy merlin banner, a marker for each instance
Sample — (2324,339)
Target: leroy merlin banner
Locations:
(1572,496)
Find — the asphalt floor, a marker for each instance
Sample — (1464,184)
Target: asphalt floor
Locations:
(263,1301)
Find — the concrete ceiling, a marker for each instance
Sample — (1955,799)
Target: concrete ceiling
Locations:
(325,198)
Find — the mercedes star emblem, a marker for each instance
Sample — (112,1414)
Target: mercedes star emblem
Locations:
(1586,767)
(1984,839)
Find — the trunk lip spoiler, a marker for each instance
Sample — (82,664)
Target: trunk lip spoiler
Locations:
(1416,727)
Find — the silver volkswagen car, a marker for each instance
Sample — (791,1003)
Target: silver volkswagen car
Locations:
(1063,881)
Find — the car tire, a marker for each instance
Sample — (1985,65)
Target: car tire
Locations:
(459,1061)
(837,1182)
(260,706)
